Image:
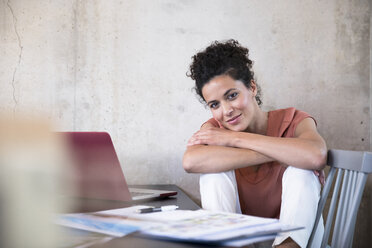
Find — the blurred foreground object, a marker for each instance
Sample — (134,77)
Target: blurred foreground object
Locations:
(32,160)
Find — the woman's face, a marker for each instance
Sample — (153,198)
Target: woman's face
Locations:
(231,102)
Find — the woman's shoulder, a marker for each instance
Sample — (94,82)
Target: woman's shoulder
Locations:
(282,115)
(288,114)
(284,121)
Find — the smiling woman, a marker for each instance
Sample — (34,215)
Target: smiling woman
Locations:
(231,102)
(253,162)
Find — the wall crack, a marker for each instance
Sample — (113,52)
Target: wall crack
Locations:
(19,56)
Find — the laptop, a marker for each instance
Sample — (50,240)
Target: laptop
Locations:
(97,173)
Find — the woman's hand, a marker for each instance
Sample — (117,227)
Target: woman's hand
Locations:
(212,136)
(321,176)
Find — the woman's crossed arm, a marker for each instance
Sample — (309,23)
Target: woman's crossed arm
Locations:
(214,149)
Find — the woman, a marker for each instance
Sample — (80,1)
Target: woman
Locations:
(253,162)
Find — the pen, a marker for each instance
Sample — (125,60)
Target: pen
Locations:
(160,209)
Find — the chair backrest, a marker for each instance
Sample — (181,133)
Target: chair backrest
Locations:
(352,169)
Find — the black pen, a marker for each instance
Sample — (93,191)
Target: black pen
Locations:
(160,209)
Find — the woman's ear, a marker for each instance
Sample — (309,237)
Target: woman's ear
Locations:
(253,87)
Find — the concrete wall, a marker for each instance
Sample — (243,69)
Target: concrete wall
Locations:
(120,66)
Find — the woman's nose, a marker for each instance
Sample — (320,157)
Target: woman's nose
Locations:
(227,109)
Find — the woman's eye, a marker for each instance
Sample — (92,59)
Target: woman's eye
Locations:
(232,95)
(213,105)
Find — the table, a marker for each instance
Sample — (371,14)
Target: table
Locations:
(133,240)
(181,199)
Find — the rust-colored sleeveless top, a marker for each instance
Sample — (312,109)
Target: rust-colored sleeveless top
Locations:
(260,190)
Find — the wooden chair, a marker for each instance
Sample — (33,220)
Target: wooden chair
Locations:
(352,169)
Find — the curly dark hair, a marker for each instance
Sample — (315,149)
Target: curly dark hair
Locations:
(222,58)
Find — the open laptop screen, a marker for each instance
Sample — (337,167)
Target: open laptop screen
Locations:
(97,171)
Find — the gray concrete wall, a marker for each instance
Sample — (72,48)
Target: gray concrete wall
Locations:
(120,66)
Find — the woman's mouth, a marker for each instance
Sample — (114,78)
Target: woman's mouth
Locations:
(235,120)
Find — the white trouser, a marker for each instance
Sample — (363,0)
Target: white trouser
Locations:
(300,196)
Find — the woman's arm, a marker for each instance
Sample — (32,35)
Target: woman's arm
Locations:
(307,150)
(213,159)
(216,158)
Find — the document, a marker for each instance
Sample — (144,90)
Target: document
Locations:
(106,222)
(212,227)
(200,226)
